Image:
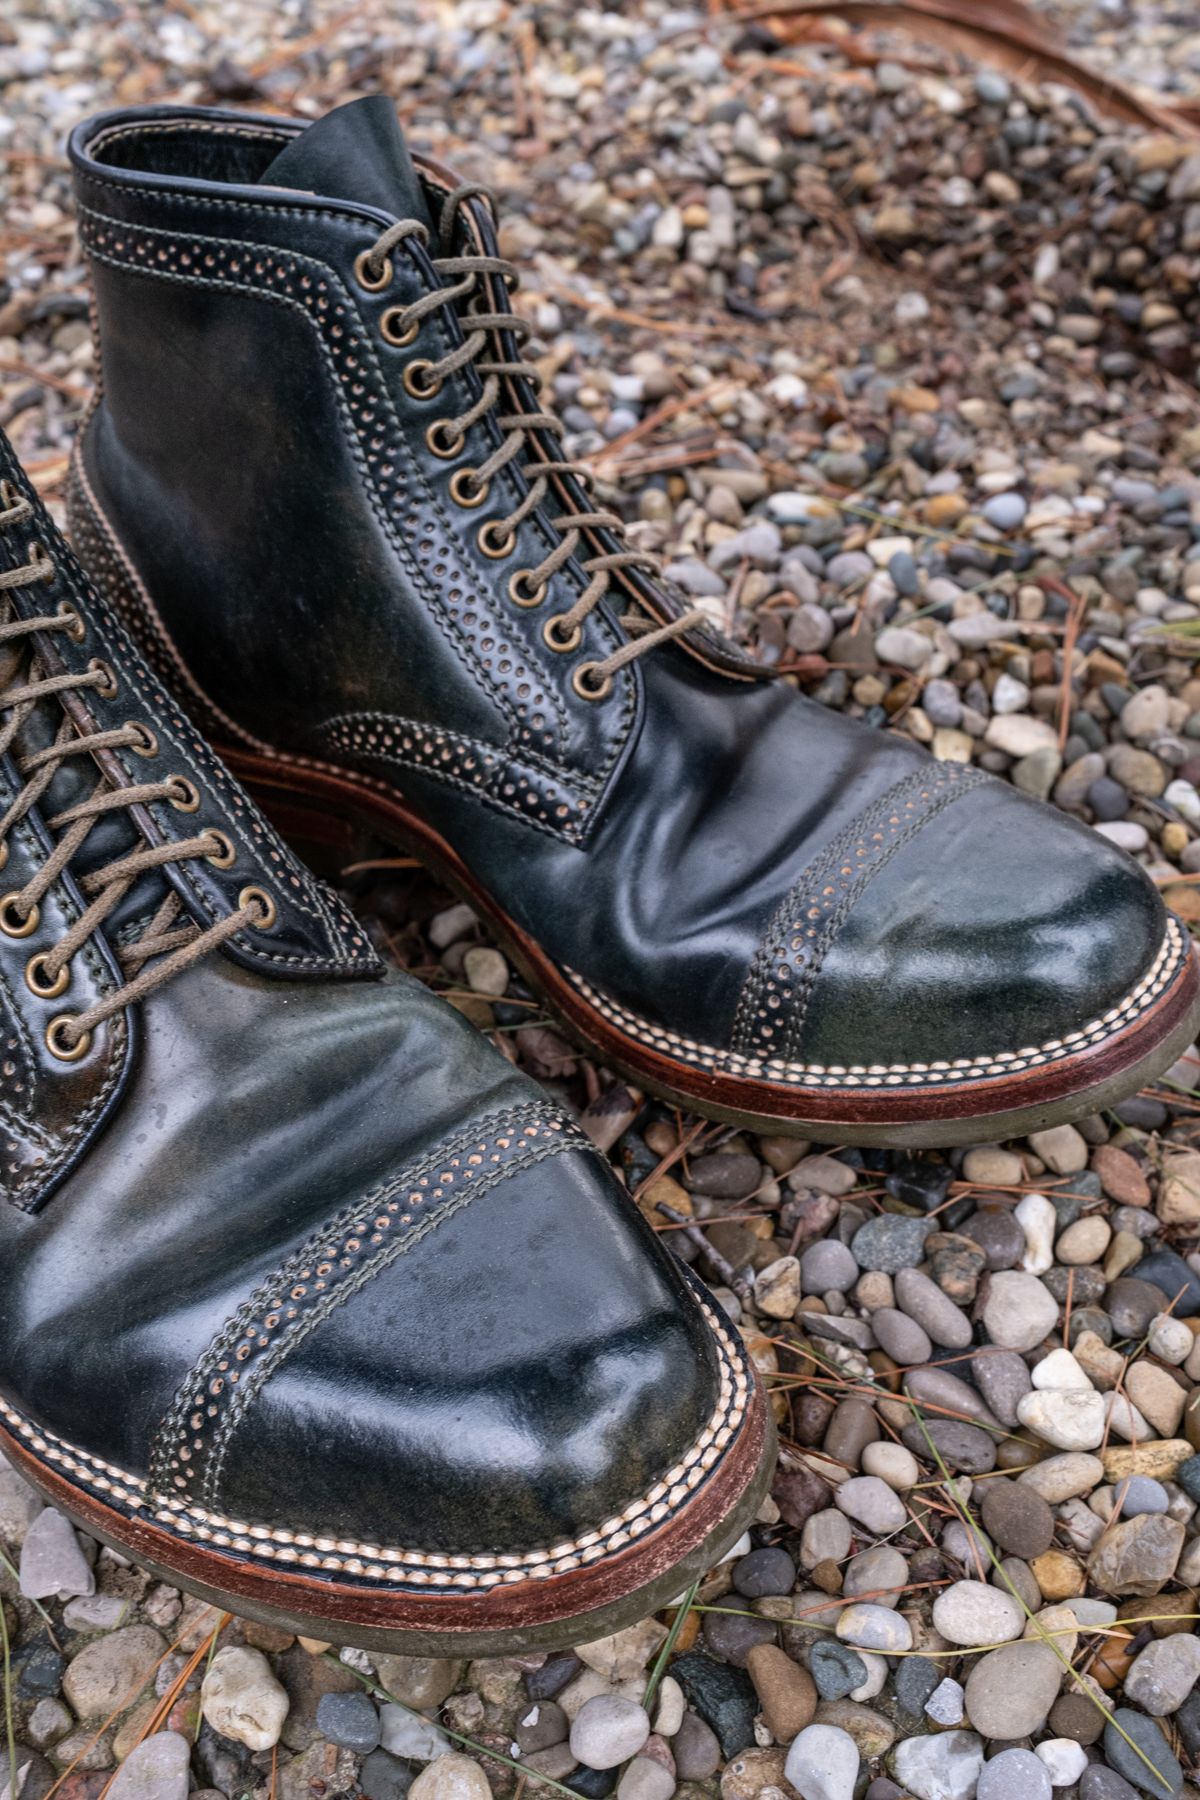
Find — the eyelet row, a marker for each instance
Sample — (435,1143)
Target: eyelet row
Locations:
(466,490)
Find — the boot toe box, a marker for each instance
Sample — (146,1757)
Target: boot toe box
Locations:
(1000,926)
(514,1383)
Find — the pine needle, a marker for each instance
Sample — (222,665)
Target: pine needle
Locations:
(677,1624)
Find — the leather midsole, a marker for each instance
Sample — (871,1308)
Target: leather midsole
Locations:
(290,787)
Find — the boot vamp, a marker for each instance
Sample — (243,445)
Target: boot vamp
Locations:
(328,1229)
(776,877)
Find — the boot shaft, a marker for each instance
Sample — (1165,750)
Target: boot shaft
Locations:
(337,542)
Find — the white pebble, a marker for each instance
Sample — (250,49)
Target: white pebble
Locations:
(1065,1760)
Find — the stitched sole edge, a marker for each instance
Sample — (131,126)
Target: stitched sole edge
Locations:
(920,1105)
(348,1598)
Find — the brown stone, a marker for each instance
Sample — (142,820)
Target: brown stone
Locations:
(1121,1176)
(1077,1717)
(1137,1556)
(799,1493)
(786,1692)
(1156,1610)
(1058,1575)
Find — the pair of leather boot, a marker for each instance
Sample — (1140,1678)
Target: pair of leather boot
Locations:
(307,1299)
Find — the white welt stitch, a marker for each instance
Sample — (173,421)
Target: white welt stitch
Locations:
(415,1568)
(1171,957)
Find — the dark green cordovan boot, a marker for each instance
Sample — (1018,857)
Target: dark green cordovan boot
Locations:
(308,1300)
(323,489)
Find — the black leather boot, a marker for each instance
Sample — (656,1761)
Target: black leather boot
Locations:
(308,1300)
(322,486)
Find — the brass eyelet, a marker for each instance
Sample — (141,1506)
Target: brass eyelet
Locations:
(588,689)
(186,797)
(41,557)
(374,284)
(145,744)
(520,595)
(442,441)
(9,497)
(225,856)
(37,984)
(76,629)
(552,635)
(269,910)
(466,490)
(13,926)
(106,687)
(57,1047)
(415,383)
(391,332)
(492,544)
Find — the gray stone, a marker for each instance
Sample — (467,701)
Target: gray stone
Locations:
(1164,1674)
(822,1763)
(608,1730)
(916,1679)
(646,1779)
(106,1671)
(1014,1775)
(828,1266)
(1139,1494)
(350,1720)
(385,1777)
(942,1766)
(1003,1380)
(901,1337)
(1010,1691)
(872,1503)
(971,1613)
(945,1705)
(1164,1778)
(155,1769)
(416,1739)
(52,1562)
(1100,1783)
(835,1668)
(933,1311)
(1019,1312)
(541,1725)
(1005,511)
(891,1242)
(695,1749)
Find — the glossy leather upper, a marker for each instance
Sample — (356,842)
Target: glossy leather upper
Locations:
(326,596)
(325,1261)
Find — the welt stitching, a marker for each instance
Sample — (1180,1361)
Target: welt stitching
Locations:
(305,1326)
(630,686)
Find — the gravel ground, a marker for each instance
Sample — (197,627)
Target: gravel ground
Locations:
(896,366)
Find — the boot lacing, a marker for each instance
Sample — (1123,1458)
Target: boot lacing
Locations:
(24,683)
(424,378)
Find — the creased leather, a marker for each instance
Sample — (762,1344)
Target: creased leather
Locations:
(647,842)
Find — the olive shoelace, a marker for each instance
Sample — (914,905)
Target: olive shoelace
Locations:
(25,684)
(469,487)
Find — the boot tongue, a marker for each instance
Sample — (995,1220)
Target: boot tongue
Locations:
(355,153)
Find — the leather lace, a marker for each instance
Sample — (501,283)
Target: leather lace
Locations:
(464,293)
(24,684)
